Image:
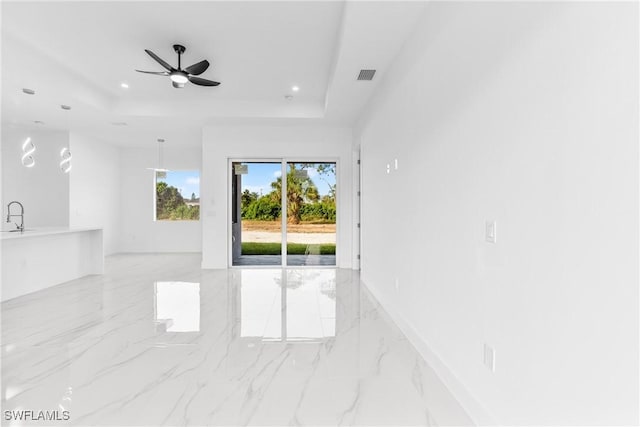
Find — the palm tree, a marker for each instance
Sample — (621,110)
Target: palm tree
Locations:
(300,189)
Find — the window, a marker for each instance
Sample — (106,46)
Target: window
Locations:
(177,195)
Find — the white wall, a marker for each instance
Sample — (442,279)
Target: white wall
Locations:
(221,143)
(140,233)
(42,189)
(95,188)
(526,114)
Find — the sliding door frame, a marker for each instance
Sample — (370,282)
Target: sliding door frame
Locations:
(284,161)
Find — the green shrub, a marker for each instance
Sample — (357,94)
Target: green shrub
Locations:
(325,210)
(262,209)
(171,205)
(185,212)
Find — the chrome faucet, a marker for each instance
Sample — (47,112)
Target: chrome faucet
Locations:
(21,226)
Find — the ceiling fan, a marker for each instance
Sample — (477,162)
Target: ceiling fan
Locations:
(179,76)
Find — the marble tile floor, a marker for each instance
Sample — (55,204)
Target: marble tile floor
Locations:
(158,341)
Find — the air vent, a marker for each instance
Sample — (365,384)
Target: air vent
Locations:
(366,74)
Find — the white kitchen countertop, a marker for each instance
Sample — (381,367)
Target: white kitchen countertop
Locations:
(43,231)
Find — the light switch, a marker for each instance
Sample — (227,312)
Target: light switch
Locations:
(490,231)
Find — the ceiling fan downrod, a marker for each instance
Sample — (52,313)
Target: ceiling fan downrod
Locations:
(179,50)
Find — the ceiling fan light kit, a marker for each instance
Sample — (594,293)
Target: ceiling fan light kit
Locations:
(179,76)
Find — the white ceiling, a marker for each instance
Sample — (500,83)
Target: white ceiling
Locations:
(78,53)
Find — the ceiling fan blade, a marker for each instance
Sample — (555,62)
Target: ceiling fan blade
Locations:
(159,60)
(202,82)
(197,69)
(159,73)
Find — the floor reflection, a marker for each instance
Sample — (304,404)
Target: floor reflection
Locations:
(177,306)
(287,305)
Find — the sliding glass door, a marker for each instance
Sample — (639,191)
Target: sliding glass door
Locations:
(311,213)
(288,222)
(256,214)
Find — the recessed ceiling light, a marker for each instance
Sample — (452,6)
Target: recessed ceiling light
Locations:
(29,91)
(288,97)
(119,123)
(38,122)
(65,107)
(295,88)
(124,85)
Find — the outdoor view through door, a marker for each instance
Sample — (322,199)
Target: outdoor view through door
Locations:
(304,203)
(311,213)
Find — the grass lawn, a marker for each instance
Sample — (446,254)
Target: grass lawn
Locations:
(252,248)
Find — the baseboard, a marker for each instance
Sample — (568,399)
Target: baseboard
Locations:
(471,405)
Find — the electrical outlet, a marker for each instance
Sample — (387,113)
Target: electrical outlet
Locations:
(490,231)
(489,358)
